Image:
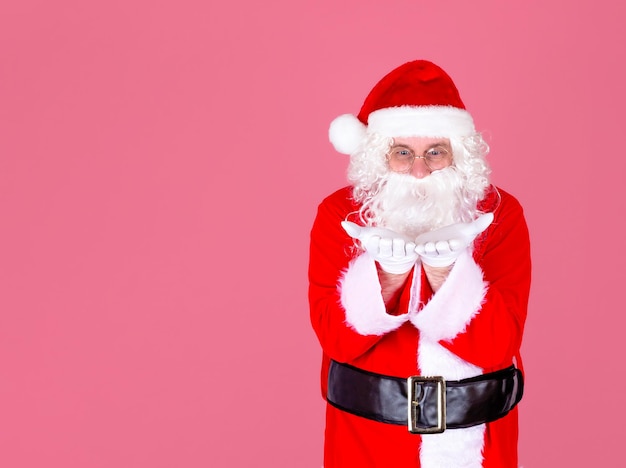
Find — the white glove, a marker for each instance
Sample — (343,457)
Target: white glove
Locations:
(394,253)
(441,247)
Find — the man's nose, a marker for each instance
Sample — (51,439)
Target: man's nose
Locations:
(420,169)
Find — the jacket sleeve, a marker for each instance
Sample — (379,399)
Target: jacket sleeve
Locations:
(346,306)
(480,311)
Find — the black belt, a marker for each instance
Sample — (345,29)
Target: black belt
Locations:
(424,404)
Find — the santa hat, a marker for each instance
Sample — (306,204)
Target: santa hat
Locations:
(416,99)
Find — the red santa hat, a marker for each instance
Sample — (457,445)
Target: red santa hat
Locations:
(416,99)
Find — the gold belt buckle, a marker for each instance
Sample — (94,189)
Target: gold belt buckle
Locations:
(413,386)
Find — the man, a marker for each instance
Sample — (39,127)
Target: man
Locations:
(419,281)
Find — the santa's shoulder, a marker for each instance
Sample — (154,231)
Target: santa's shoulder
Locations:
(497,199)
(342,197)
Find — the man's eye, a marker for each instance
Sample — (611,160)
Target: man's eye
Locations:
(436,153)
(402,153)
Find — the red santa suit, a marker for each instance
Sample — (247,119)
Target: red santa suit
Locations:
(473,325)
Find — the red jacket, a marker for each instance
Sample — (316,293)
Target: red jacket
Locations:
(472,325)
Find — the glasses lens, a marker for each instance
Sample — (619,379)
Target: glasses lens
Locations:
(400,159)
(436,158)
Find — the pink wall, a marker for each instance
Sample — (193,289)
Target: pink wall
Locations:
(160,167)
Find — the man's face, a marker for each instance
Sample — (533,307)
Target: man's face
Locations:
(419,156)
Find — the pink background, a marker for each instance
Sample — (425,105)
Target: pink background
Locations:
(160,166)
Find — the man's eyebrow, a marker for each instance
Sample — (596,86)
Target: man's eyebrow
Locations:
(443,146)
(440,143)
(436,144)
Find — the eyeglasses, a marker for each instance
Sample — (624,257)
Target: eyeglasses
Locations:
(401,158)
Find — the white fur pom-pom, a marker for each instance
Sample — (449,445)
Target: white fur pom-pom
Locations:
(346,133)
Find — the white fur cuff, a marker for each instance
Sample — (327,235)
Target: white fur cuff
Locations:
(362,300)
(456,303)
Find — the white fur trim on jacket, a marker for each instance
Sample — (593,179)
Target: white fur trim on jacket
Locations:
(362,300)
(455,448)
(446,315)
(458,300)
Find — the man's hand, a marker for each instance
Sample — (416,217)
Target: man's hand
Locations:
(441,247)
(394,253)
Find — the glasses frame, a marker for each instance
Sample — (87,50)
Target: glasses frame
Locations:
(424,156)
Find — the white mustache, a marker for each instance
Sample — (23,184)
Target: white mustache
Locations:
(412,206)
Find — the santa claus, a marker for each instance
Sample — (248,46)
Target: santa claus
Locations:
(419,280)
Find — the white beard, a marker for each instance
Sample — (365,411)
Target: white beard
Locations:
(411,206)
